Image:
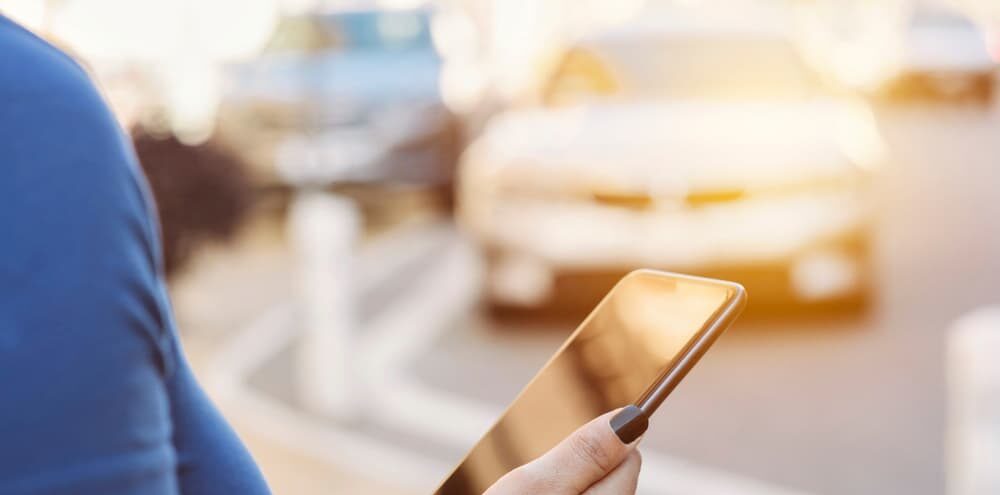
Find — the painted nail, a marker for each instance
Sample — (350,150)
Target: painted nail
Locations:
(630,423)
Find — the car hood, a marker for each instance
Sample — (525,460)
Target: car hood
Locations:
(674,148)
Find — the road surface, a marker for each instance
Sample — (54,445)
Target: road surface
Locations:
(850,405)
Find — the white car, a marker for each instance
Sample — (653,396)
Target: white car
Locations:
(755,177)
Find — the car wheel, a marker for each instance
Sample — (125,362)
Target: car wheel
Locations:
(983,90)
(518,281)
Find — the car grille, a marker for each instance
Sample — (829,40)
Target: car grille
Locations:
(645,201)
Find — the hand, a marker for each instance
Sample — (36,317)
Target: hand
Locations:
(591,461)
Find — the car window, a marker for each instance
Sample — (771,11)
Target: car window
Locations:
(940,18)
(299,34)
(581,75)
(684,68)
(352,31)
(395,30)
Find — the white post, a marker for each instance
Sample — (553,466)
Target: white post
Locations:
(324,232)
(973,429)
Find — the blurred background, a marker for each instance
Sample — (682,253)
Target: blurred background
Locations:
(380,218)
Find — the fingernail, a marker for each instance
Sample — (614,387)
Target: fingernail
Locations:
(629,424)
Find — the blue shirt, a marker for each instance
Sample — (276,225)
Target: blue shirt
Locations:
(95,394)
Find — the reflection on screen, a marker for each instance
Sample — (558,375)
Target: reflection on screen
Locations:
(630,339)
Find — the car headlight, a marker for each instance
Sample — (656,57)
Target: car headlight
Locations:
(825,274)
(858,136)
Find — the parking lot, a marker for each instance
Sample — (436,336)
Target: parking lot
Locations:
(851,403)
(380,219)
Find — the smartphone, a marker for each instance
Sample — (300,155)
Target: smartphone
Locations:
(632,350)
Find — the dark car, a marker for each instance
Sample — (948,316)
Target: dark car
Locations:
(344,96)
(946,56)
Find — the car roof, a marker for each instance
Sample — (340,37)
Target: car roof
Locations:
(664,23)
(362,7)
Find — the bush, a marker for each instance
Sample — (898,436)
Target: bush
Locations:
(202,193)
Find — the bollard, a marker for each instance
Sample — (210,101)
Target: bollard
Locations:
(973,427)
(324,231)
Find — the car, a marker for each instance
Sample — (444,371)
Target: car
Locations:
(344,96)
(945,56)
(711,152)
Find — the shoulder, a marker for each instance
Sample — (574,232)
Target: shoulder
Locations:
(33,66)
(60,143)
(50,107)
(72,197)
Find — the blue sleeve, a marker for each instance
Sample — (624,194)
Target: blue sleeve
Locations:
(95,395)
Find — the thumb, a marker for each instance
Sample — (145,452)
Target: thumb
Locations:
(586,456)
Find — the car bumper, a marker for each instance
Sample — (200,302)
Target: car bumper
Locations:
(356,153)
(785,250)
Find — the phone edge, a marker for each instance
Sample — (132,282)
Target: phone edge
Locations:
(723,318)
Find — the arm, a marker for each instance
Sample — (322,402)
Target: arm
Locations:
(96,396)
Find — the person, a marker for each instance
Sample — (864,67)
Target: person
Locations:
(97,396)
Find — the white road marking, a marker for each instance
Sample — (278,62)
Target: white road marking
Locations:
(401,334)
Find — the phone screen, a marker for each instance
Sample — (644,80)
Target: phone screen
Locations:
(628,342)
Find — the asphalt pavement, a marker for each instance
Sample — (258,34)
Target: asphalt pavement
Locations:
(850,404)
(854,404)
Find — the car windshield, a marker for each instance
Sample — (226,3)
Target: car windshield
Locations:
(725,68)
(940,18)
(353,31)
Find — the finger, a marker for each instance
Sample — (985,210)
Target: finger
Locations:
(582,459)
(621,481)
